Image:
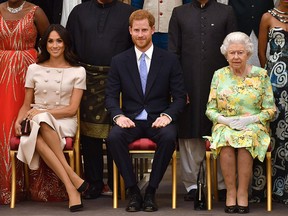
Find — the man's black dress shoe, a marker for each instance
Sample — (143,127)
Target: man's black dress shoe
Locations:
(92,192)
(135,203)
(149,204)
(243,209)
(190,196)
(231,209)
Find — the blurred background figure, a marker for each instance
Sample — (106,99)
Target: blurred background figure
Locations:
(273,33)
(248,14)
(162,11)
(196,32)
(96,40)
(21,22)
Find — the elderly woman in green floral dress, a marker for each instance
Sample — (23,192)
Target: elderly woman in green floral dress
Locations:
(240,105)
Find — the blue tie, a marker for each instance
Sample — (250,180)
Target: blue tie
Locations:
(143,72)
(143,76)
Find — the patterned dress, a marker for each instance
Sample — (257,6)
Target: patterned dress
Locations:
(17,41)
(235,96)
(277,68)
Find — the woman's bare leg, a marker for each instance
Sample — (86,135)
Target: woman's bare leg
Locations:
(228,167)
(52,140)
(245,164)
(53,162)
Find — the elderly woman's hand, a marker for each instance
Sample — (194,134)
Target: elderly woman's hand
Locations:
(242,122)
(226,120)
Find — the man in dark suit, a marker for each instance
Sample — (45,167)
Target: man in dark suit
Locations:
(150,112)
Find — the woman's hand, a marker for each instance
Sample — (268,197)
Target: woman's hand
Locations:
(31,113)
(242,122)
(225,120)
(17,128)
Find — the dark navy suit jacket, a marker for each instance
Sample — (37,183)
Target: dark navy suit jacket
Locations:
(164,82)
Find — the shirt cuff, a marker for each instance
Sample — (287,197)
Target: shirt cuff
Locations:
(117,116)
(165,114)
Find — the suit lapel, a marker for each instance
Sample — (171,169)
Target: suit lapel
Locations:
(155,67)
(134,71)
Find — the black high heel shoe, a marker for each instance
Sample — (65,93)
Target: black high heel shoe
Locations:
(231,209)
(243,209)
(83,187)
(75,208)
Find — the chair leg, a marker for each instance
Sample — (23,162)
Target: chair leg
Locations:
(208,176)
(122,188)
(141,168)
(26,175)
(77,162)
(71,160)
(174,180)
(269,181)
(13,180)
(215,180)
(115,186)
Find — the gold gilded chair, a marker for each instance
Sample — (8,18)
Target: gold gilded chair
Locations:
(215,191)
(144,147)
(72,149)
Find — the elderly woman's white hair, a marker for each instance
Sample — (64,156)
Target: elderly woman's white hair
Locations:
(237,37)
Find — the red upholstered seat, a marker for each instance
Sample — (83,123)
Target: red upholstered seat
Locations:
(15,141)
(142,144)
(207,142)
(141,148)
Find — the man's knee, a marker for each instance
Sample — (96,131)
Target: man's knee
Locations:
(114,136)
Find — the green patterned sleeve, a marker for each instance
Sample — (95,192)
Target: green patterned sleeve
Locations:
(212,111)
(268,107)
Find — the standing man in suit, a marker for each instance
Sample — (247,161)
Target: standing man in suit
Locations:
(96,39)
(147,110)
(196,32)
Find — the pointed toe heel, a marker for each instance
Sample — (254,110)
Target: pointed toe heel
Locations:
(243,209)
(231,209)
(75,208)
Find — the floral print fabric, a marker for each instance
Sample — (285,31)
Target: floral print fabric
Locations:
(236,96)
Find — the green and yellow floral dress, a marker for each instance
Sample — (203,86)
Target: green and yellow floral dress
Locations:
(236,96)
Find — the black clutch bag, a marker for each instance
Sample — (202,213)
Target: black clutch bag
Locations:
(25,127)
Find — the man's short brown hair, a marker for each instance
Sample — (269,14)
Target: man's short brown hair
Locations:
(140,15)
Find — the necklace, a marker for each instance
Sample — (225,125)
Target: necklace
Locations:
(281,12)
(283,19)
(15,10)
